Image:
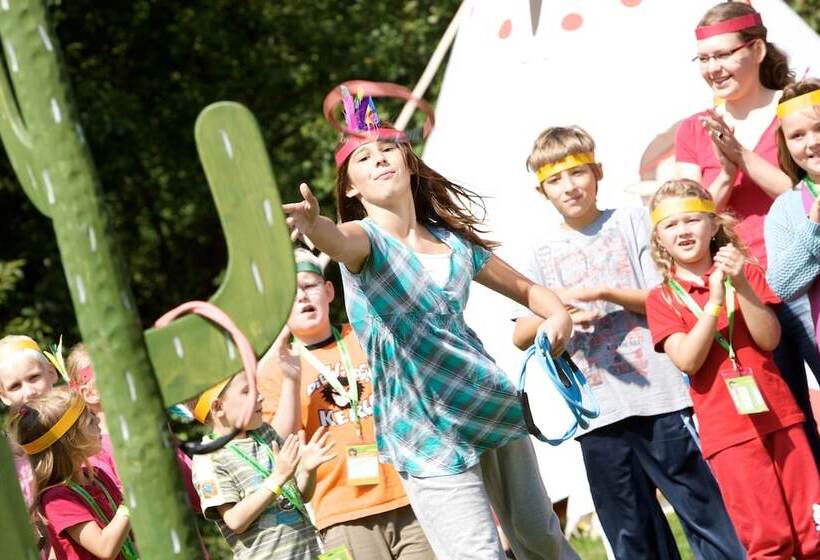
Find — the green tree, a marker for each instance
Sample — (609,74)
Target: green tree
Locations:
(141,71)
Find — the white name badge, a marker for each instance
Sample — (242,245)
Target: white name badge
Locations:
(744,391)
(362,464)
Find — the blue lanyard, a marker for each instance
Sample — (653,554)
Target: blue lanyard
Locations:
(570,383)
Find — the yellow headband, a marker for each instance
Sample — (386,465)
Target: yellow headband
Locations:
(22,343)
(673,206)
(58,430)
(572,160)
(203,404)
(797,103)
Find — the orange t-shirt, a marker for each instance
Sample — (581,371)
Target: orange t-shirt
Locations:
(335,501)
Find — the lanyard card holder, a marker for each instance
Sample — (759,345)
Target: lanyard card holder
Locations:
(362,463)
(744,391)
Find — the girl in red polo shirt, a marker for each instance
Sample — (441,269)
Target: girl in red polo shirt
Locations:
(713,317)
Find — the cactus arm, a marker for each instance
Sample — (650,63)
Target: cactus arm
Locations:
(13,131)
(97,281)
(192,354)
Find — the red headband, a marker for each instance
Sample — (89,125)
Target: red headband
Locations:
(82,377)
(728,26)
(355,138)
(353,142)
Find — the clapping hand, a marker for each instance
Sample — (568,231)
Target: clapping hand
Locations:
(730,261)
(286,358)
(317,451)
(287,458)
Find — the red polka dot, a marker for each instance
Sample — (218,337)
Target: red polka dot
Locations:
(505,29)
(630,3)
(571,22)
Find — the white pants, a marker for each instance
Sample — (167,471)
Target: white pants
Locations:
(454,510)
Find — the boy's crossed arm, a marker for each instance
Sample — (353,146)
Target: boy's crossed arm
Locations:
(631,299)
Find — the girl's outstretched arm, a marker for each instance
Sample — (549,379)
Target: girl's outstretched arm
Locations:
(344,243)
(504,279)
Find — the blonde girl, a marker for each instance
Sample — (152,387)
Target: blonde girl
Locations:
(713,317)
(82,504)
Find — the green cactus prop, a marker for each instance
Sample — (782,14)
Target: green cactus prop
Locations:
(45,144)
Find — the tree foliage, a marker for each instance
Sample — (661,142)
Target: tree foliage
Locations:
(141,72)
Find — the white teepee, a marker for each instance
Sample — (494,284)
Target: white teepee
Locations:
(619,68)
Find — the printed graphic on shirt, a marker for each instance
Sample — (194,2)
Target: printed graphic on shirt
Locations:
(615,342)
(337,412)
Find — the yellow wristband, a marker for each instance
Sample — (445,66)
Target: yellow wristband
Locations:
(274,489)
(713,309)
(123,510)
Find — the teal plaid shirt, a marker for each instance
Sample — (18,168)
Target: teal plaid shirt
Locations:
(439,398)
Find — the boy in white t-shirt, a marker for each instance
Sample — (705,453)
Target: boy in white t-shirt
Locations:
(598,263)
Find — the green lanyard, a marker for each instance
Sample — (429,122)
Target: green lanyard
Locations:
(289,489)
(696,310)
(812,186)
(352,392)
(128,549)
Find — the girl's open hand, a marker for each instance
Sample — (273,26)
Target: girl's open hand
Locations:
(730,261)
(302,216)
(317,451)
(717,291)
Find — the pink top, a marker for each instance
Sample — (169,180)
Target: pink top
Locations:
(64,509)
(747,201)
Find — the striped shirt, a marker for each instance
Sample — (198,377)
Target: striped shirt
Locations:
(440,399)
(224,477)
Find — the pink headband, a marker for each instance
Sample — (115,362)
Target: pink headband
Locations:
(353,142)
(82,377)
(728,26)
(355,138)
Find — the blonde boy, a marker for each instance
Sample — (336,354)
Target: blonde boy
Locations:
(247,487)
(598,262)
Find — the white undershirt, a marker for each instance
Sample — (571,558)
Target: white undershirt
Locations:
(437,266)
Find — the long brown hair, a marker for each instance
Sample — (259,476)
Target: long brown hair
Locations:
(686,188)
(774,70)
(784,158)
(438,201)
(64,457)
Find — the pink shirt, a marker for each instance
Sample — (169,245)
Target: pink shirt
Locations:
(747,201)
(64,509)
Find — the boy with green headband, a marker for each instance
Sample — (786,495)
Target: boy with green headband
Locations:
(598,262)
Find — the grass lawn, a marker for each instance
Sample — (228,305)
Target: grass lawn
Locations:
(589,549)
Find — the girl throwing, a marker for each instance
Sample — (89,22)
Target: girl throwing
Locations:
(447,417)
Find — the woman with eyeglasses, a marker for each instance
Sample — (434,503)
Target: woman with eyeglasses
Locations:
(732,151)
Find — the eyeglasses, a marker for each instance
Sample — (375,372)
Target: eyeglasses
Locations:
(720,57)
(310,288)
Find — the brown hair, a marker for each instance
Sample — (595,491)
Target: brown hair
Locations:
(774,70)
(64,457)
(686,188)
(784,158)
(557,142)
(438,201)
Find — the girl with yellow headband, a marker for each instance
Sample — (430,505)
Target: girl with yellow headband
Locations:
(713,316)
(792,226)
(82,504)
